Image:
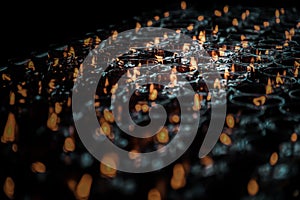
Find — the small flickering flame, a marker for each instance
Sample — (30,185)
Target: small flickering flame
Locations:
(193,64)
(12,98)
(266,24)
(256,27)
(69,144)
(230,121)
(294,137)
(202,37)
(226,73)
(108,116)
(252,187)
(58,107)
(200,18)
(105,128)
(190,27)
(214,55)
(216,30)
(282,11)
(232,68)
(149,23)
(278,79)
(218,13)
(30,65)
(9,187)
(225,139)
(114,35)
(235,22)
(163,135)
(178,179)
(259,100)
(38,167)
(83,188)
(166,14)
(243,16)
(269,89)
(109,168)
(174,119)
(138,26)
(217,84)
(197,102)
(159,59)
(273,159)
(247,13)
(156,17)
(183,5)
(5,77)
(145,108)
(154,194)
(53,121)
(10,129)
(153,95)
(277,13)
(296,73)
(207,161)
(225,9)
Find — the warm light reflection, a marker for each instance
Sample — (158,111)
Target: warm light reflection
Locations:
(269,88)
(252,187)
(235,22)
(207,161)
(53,121)
(225,9)
(197,102)
(218,13)
(178,179)
(278,79)
(108,116)
(183,5)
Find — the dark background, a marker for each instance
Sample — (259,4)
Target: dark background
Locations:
(30,26)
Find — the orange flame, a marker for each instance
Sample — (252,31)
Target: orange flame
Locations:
(109,169)
(10,129)
(69,144)
(163,135)
(149,23)
(83,188)
(273,158)
(178,178)
(230,120)
(105,128)
(9,187)
(218,13)
(252,187)
(166,14)
(38,167)
(202,37)
(207,161)
(200,18)
(225,139)
(108,116)
(12,98)
(197,102)
(259,100)
(294,137)
(269,88)
(278,79)
(235,22)
(154,194)
(183,5)
(53,121)
(225,9)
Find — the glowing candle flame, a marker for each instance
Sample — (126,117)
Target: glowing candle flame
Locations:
(197,102)
(230,121)
(225,9)
(83,188)
(273,158)
(256,27)
(69,145)
(105,128)
(202,37)
(163,135)
(10,129)
(207,161)
(226,73)
(149,23)
(156,18)
(153,95)
(166,14)
(108,116)
(178,178)
(218,13)
(53,121)
(235,22)
(183,5)
(278,79)
(190,27)
(216,30)
(200,18)
(9,187)
(259,100)
(232,68)
(38,167)
(252,187)
(109,169)
(12,98)
(154,194)
(243,16)
(138,26)
(225,139)
(266,24)
(174,119)
(269,88)
(294,137)
(145,108)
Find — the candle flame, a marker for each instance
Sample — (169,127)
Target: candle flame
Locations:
(218,13)
(266,24)
(269,88)
(163,135)
(183,5)
(69,145)
(294,137)
(10,129)
(166,14)
(230,121)
(278,79)
(53,121)
(149,23)
(235,22)
(200,18)
(108,116)
(105,128)
(252,187)
(277,14)
(110,168)
(202,37)
(225,9)
(244,15)
(256,27)
(273,158)
(207,161)
(178,178)
(9,187)
(154,194)
(38,167)
(259,100)
(190,27)
(225,139)
(156,17)
(83,188)
(197,102)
